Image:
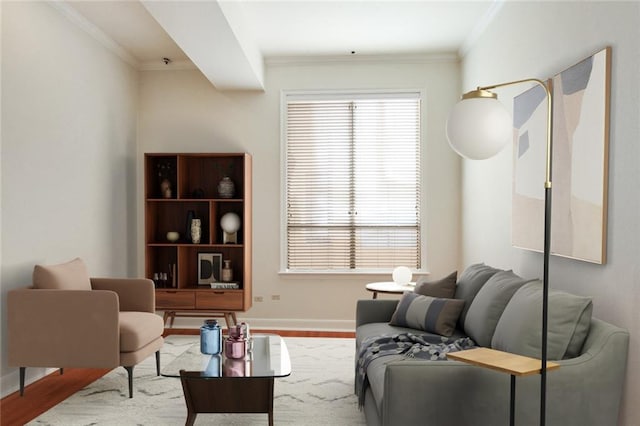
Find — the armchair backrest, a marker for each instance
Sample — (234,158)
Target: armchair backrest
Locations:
(72,275)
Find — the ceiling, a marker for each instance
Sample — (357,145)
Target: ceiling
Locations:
(230,40)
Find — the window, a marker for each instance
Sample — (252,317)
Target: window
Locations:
(352,184)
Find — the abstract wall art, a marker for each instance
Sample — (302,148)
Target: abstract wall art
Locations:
(581,95)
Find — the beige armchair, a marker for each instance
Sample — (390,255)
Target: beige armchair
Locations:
(69,320)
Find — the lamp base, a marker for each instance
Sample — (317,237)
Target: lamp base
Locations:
(229,237)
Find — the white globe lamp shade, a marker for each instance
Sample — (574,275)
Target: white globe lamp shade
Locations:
(401,275)
(230,223)
(478,128)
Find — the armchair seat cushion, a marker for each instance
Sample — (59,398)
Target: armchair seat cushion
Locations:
(138,329)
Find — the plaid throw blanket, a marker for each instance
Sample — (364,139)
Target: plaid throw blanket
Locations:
(411,346)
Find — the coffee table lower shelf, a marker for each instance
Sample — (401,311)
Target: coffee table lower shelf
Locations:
(226,395)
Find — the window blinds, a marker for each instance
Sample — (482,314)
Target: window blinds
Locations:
(353,183)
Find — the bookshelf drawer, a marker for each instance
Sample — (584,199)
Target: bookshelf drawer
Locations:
(175,299)
(219,300)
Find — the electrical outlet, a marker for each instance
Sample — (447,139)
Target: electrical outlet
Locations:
(258,299)
(275,297)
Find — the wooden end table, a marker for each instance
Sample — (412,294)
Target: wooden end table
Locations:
(504,362)
(389,287)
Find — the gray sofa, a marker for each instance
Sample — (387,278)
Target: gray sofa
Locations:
(501,310)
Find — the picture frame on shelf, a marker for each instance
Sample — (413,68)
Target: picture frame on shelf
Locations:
(209,268)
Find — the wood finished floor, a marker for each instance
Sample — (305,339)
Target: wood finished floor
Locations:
(54,388)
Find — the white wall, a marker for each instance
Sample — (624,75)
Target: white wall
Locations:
(540,39)
(68,153)
(181,112)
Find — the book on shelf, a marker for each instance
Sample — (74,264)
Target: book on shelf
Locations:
(221,285)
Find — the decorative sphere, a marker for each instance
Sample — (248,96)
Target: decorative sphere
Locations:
(479,128)
(173,236)
(402,275)
(230,223)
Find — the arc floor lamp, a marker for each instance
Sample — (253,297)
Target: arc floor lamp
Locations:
(478,127)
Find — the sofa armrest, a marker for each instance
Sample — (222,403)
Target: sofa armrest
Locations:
(374,310)
(444,393)
(135,294)
(63,328)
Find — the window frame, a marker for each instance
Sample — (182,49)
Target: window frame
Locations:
(287,95)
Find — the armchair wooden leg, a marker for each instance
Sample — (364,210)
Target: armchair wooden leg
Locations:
(22,372)
(61,371)
(158,362)
(130,372)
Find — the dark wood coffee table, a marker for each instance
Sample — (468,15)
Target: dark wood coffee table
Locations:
(216,384)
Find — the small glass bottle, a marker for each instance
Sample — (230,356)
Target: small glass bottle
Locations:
(211,338)
(156,280)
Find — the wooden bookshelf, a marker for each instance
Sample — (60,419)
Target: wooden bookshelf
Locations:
(193,181)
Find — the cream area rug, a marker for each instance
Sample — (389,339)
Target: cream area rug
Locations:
(319,391)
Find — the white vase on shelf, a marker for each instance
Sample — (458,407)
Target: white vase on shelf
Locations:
(196,231)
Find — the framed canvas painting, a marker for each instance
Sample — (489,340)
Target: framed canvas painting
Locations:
(581,96)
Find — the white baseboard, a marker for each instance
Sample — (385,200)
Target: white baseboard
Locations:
(300,324)
(10,383)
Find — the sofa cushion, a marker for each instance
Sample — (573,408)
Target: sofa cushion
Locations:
(72,275)
(444,287)
(432,314)
(487,307)
(470,282)
(520,328)
(138,329)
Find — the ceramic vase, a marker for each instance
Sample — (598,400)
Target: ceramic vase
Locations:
(196,231)
(227,272)
(165,188)
(190,216)
(226,188)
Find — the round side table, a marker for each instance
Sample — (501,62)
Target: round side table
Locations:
(389,287)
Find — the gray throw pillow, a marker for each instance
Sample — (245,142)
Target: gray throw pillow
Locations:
(469,283)
(431,314)
(519,330)
(487,307)
(444,288)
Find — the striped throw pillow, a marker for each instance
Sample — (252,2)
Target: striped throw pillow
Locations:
(431,314)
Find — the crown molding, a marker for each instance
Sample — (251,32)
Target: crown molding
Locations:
(418,58)
(480,28)
(96,33)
